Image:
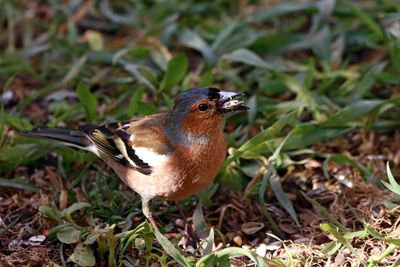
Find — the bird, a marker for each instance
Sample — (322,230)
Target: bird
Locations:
(168,156)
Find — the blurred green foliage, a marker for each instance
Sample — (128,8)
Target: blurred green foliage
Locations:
(313,70)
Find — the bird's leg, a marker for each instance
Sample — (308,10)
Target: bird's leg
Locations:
(189,230)
(180,210)
(147,213)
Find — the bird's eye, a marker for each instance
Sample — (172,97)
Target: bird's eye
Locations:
(203,107)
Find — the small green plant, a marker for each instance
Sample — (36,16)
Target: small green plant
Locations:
(321,79)
(392,185)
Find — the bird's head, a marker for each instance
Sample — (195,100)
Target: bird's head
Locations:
(202,109)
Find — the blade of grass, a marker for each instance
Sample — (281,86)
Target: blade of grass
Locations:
(171,249)
(283,199)
(326,213)
(329,229)
(74,70)
(210,245)
(331,248)
(287,250)
(351,113)
(261,137)
(276,185)
(134,69)
(375,260)
(191,39)
(393,185)
(11,34)
(88,101)
(18,123)
(176,70)
(261,199)
(271,177)
(246,56)
(278,10)
(341,159)
(10,225)
(18,185)
(216,258)
(366,19)
(199,223)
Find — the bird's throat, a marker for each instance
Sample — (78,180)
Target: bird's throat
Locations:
(179,135)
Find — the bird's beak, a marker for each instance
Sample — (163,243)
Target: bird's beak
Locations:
(231,102)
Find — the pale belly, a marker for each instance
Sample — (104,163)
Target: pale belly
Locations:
(178,176)
(171,182)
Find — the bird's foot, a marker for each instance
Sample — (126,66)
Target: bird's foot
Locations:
(192,239)
(153,223)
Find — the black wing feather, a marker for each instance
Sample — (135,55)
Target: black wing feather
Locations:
(131,152)
(103,138)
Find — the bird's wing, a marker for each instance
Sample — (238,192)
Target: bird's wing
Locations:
(129,143)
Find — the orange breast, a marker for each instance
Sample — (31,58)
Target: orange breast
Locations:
(198,165)
(188,171)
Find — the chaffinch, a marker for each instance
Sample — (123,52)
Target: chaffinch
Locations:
(167,156)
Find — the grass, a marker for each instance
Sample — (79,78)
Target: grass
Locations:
(307,161)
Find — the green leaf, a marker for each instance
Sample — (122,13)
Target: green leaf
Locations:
(283,199)
(326,213)
(368,80)
(374,260)
(127,237)
(199,223)
(262,137)
(393,186)
(13,183)
(272,177)
(206,79)
(321,46)
(74,70)
(141,73)
(75,207)
(366,19)
(50,212)
(206,194)
(69,235)
(216,258)
(176,70)
(90,239)
(353,112)
(329,229)
(134,102)
(83,256)
(246,56)
(261,197)
(231,178)
(307,134)
(393,241)
(224,35)
(301,90)
(12,156)
(17,123)
(331,248)
(88,101)
(193,40)
(290,261)
(264,14)
(342,159)
(171,249)
(209,243)
(95,40)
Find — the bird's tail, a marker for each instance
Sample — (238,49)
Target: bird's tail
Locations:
(67,137)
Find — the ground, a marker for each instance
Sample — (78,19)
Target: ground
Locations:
(303,182)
